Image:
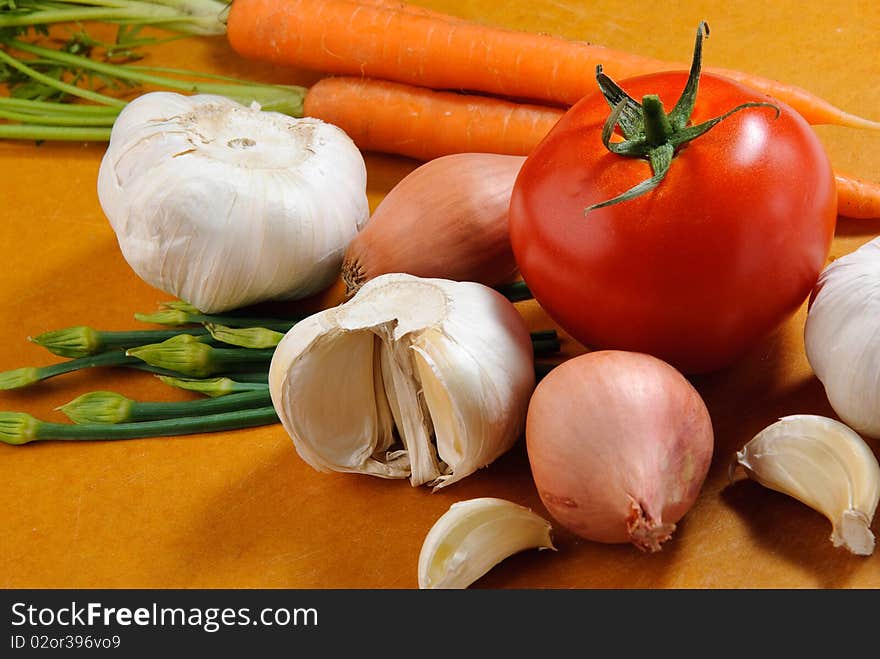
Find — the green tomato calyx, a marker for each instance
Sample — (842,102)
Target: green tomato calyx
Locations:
(649,131)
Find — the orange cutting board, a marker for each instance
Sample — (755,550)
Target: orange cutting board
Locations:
(241,509)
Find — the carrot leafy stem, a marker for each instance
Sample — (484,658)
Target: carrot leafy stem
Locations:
(198,17)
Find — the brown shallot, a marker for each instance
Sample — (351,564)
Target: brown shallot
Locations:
(446,219)
(619,445)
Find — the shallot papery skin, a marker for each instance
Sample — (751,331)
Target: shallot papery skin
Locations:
(446,219)
(619,445)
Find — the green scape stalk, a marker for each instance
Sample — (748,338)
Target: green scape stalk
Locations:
(18,428)
(542,368)
(82,341)
(214,387)
(515,292)
(543,345)
(245,337)
(29,375)
(111,407)
(180,317)
(250,377)
(188,356)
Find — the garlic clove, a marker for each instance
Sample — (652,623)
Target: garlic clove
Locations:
(421,378)
(408,412)
(473,536)
(824,464)
(332,409)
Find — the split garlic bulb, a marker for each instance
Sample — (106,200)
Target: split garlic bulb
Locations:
(224,205)
(426,379)
(842,336)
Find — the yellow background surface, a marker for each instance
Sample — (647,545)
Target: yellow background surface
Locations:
(241,509)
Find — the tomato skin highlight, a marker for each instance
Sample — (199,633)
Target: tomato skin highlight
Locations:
(698,270)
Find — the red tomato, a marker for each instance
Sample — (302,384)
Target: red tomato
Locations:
(698,270)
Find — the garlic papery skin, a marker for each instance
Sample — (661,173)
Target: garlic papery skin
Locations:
(824,464)
(842,337)
(473,536)
(426,379)
(224,205)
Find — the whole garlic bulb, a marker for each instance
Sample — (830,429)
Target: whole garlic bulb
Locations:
(224,205)
(842,336)
(426,379)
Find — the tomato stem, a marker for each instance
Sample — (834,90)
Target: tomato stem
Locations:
(658,128)
(649,132)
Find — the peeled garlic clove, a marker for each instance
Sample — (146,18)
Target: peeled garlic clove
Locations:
(475,535)
(421,378)
(447,219)
(843,340)
(824,464)
(224,205)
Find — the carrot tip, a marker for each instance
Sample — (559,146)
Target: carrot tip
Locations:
(855,121)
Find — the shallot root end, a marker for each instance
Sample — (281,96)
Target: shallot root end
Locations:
(353,276)
(644,532)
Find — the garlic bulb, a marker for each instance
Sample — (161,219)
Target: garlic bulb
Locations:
(224,205)
(824,464)
(842,336)
(474,536)
(421,378)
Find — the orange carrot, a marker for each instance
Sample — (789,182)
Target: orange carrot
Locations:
(424,124)
(856,197)
(390,40)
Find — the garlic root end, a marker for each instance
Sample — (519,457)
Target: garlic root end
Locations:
(854,533)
